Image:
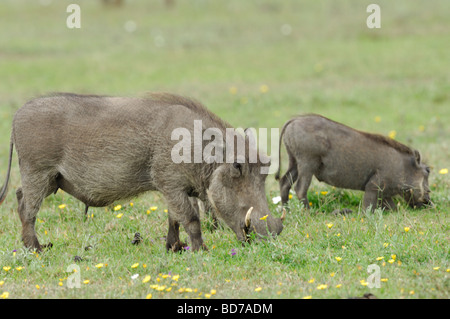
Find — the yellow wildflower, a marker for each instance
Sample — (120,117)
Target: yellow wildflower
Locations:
(307,297)
(208,295)
(6,268)
(149,296)
(264,217)
(321,287)
(363,282)
(311,280)
(153,208)
(436,268)
(135,265)
(384,279)
(175,277)
(377,119)
(99,265)
(62,206)
(258,289)
(119,215)
(264,88)
(213,291)
(146,279)
(406,229)
(392,134)
(443,171)
(118,207)
(4,295)
(338,286)
(329,225)
(324,192)
(86,281)
(233,90)
(338,258)
(380,258)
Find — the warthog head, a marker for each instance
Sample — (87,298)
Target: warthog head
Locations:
(237,192)
(416,190)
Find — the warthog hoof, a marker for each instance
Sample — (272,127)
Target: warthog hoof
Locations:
(49,245)
(176,246)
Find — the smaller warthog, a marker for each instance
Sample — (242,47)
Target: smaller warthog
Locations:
(347,158)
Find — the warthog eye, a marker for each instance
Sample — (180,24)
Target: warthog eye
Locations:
(238,166)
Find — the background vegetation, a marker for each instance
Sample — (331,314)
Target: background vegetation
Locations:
(254,63)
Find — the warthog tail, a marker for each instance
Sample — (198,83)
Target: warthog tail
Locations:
(4,189)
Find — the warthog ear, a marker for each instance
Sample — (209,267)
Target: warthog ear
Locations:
(417,157)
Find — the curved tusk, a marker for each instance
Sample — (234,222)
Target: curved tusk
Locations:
(284,215)
(247,217)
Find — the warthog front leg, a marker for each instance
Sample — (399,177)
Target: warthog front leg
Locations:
(373,193)
(182,211)
(173,242)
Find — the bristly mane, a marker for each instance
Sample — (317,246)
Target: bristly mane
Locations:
(378,138)
(402,148)
(190,103)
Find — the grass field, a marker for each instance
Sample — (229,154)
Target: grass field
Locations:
(255,64)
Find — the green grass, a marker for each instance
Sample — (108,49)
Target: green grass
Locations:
(331,64)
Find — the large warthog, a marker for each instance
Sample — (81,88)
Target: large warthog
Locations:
(347,158)
(102,149)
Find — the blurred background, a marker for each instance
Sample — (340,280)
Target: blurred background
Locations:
(254,63)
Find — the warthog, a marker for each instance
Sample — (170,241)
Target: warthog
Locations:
(347,158)
(102,149)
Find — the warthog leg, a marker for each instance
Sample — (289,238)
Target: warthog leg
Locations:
(373,193)
(182,211)
(304,180)
(36,185)
(173,242)
(288,179)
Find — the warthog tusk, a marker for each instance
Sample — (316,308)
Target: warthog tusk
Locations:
(284,215)
(247,217)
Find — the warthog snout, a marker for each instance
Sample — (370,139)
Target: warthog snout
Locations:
(266,225)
